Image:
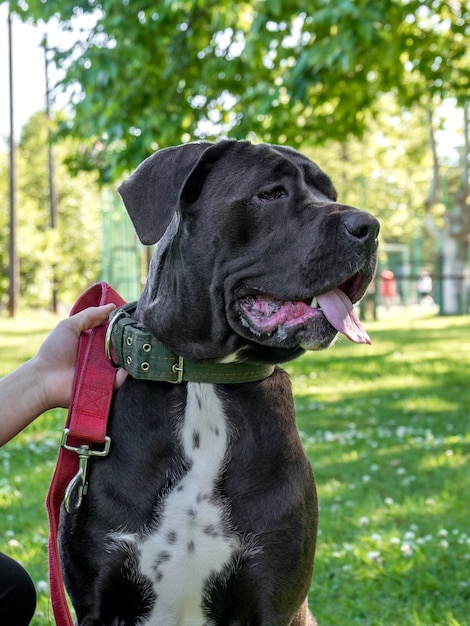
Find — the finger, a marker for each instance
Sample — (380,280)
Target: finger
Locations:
(91,317)
(121,376)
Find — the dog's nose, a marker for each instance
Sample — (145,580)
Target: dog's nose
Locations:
(362,226)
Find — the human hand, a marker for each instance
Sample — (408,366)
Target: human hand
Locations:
(56,359)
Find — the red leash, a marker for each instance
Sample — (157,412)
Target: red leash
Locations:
(85,425)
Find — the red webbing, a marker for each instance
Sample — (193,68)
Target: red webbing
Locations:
(86,420)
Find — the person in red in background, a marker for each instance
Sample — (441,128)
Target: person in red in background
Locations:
(42,383)
(388,287)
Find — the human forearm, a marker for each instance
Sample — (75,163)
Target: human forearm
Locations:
(46,381)
(22,399)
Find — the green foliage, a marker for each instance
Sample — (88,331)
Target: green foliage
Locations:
(385,172)
(284,71)
(148,75)
(386,429)
(67,256)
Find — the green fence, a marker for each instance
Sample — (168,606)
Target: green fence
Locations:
(125,259)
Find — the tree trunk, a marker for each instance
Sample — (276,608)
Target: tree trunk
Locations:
(454,257)
(454,237)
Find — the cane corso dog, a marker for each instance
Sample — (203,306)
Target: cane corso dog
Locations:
(205,512)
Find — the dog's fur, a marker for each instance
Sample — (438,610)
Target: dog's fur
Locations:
(205,512)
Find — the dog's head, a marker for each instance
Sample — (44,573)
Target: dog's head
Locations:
(255,258)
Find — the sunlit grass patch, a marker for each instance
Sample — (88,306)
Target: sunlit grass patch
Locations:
(387,428)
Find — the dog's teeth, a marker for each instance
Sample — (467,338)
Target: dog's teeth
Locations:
(314,303)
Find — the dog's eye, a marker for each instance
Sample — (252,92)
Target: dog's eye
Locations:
(271,194)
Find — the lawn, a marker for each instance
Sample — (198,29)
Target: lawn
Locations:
(387,429)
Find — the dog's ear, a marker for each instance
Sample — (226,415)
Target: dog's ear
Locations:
(153,192)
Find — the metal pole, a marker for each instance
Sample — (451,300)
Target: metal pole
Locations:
(13,269)
(52,190)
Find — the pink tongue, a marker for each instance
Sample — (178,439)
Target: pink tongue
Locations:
(339,311)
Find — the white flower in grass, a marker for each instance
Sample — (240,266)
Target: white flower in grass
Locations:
(401,431)
(443,543)
(395,541)
(406,549)
(42,587)
(14,543)
(422,540)
(443,532)
(366,478)
(389,501)
(374,555)
(363,521)
(376,537)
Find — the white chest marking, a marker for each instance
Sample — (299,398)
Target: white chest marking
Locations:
(192,541)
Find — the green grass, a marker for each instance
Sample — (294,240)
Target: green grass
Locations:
(26,466)
(387,428)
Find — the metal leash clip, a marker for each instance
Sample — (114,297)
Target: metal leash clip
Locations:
(78,486)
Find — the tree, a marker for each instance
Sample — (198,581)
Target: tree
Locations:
(73,248)
(284,71)
(449,189)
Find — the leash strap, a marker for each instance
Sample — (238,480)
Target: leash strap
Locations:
(85,424)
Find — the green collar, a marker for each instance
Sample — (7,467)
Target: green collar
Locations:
(131,346)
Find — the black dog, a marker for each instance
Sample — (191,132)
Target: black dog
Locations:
(205,512)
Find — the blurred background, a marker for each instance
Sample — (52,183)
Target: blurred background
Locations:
(377,93)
